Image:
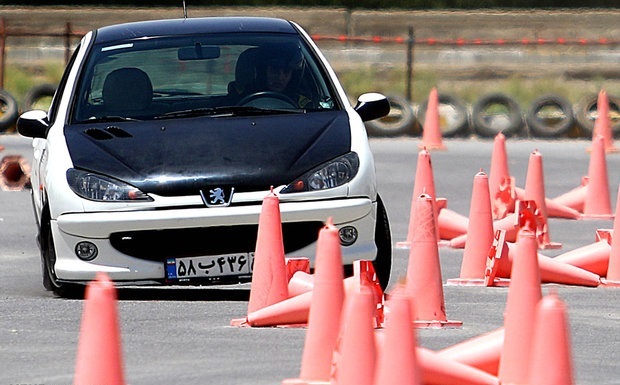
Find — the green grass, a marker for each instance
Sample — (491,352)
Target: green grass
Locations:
(19,79)
(524,90)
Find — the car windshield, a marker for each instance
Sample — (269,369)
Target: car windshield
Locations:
(211,75)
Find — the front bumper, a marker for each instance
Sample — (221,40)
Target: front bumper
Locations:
(191,229)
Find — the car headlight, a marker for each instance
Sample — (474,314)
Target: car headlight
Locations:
(329,175)
(101,188)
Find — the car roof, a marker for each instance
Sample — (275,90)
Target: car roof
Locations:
(189,26)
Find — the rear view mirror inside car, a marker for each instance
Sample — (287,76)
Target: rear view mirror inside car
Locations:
(198,52)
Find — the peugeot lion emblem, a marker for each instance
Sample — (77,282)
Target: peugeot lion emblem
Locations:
(217,196)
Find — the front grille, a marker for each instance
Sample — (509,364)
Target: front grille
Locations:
(157,245)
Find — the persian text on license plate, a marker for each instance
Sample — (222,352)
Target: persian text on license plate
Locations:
(209,266)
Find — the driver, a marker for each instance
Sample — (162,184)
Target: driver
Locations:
(280,69)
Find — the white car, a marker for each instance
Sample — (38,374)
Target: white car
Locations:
(164,137)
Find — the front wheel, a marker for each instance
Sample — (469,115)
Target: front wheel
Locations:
(383,241)
(48,261)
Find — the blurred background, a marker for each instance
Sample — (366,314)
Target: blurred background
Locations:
(526,68)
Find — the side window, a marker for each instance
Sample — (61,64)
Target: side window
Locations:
(53,111)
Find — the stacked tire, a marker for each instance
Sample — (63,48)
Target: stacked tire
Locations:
(586,113)
(8,111)
(38,97)
(549,116)
(400,121)
(495,113)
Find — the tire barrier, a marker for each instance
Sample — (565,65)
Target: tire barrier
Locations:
(8,111)
(35,96)
(550,116)
(400,121)
(495,113)
(453,116)
(586,111)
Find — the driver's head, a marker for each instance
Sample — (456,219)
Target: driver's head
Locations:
(278,77)
(282,62)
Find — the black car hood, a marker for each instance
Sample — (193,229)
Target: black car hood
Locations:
(182,156)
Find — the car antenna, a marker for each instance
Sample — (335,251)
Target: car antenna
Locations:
(184,10)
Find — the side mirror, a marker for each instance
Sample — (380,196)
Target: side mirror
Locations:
(33,124)
(372,106)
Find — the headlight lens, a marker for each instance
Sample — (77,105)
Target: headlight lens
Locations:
(101,188)
(329,175)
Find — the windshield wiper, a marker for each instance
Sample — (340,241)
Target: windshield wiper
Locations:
(227,111)
(111,118)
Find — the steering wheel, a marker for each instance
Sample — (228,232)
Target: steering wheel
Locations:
(267,99)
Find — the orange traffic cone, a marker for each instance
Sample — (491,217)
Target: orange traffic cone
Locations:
(438,370)
(509,224)
(554,208)
(498,261)
(535,191)
(502,257)
(354,357)
(591,197)
(479,234)
(325,309)
(295,310)
(396,359)
(99,355)
(523,296)
(574,198)
(550,361)
(424,281)
(14,173)
(452,225)
(602,123)
(301,282)
(501,183)
(298,275)
(269,277)
(431,130)
(481,352)
(613,269)
(593,257)
(597,202)
(424,183)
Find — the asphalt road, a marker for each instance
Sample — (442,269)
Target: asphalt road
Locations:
(182,336)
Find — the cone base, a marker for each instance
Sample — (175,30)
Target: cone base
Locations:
(499,282)
(465,282)
(243,323)
(596,216)
(436,324)
(478,282)
(609,283)
(406,245)
(550,246)
(300,381)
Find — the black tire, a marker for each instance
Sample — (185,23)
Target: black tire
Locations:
(36,94)
(495,113)
(8,111)
(383,241)
(48,259)
(550,116)
(585,114)
(400,121)
(455,119)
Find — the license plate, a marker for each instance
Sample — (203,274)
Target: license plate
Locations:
(211,266)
